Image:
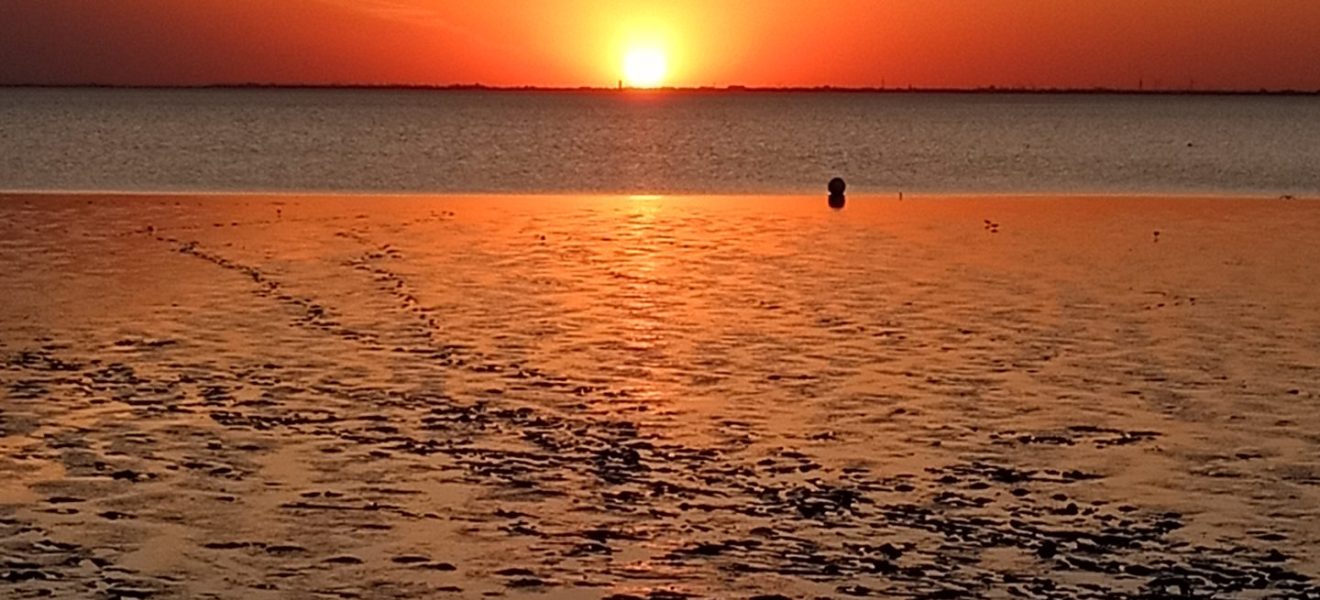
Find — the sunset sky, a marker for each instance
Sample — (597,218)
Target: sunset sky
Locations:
(1223,44)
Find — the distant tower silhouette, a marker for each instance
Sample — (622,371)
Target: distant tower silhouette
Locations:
(837,187)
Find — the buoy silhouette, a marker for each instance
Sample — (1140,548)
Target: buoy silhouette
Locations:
(837,187)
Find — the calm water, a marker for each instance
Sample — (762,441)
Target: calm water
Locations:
(392,141)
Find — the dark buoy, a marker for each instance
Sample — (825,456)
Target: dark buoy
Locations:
(837,187)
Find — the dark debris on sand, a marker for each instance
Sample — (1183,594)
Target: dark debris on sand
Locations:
(816,524)
(711,512)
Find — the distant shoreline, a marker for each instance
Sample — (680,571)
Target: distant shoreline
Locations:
(863,196)
(732,89)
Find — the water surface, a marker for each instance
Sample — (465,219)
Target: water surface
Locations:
(717,397)
(537,143)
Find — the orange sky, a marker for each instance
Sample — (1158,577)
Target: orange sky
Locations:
(1238,44)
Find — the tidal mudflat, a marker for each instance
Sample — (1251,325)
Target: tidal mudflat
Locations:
(661,398)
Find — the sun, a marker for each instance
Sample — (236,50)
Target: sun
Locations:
(644,68)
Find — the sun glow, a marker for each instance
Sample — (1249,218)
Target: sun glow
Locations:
(644,68)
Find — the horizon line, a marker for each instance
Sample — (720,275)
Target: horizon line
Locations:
(992,89)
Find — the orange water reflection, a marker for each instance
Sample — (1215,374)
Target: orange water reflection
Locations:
(622,387)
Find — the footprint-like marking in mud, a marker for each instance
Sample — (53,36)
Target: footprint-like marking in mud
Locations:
(800,521)
(611,487)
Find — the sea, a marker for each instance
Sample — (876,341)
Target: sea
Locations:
(432,141)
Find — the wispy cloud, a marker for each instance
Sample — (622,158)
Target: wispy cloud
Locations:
(412,12)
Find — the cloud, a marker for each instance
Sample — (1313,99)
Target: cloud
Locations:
(419,13)
(411,12)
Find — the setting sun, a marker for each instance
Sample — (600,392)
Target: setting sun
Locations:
(644,68)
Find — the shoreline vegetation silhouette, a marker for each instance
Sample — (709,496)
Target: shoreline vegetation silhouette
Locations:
(730,89)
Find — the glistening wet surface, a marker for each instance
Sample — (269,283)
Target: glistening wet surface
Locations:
(603,397)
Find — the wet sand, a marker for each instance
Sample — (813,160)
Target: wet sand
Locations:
(598,397)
